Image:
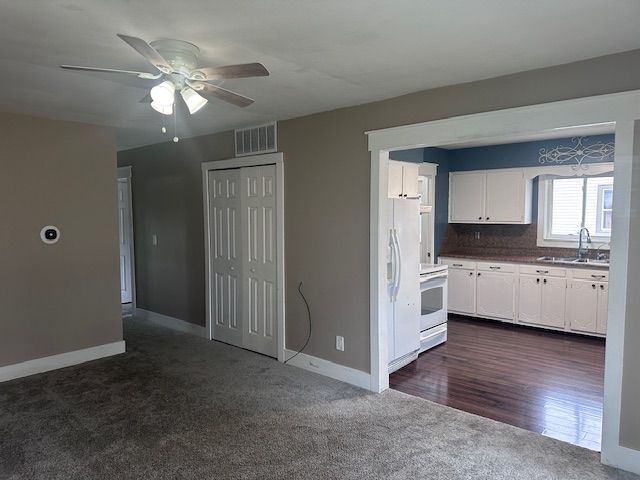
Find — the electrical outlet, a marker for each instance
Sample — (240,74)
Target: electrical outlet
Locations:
(339,343)
(154,239)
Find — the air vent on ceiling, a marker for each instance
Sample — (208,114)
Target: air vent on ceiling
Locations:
(255,140)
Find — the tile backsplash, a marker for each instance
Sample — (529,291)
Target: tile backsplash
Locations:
(503,240)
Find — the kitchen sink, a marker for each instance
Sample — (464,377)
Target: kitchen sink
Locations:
(573,260)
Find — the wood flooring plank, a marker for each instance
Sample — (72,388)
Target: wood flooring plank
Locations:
(544,381)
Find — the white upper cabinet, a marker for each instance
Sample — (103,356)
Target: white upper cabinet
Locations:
(466,197)
(505,196)
(403,180)
(489,196)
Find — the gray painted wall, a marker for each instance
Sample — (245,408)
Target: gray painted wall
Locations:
(62,297)
(167,201)
(327,185)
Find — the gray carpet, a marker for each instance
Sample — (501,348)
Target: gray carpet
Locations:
(180,407)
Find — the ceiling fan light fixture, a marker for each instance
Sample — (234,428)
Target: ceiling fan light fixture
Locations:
(163,94)
(194,101)
(163,109)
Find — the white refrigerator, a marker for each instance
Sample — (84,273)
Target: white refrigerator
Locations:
(403,274)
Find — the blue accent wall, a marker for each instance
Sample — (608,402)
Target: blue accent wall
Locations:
(510,155)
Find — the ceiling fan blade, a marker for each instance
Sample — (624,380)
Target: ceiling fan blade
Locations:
(230,71)
(147,76)
(212,92)
(147,98)
(148,52)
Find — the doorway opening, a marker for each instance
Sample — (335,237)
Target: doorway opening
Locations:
(125,236)
(620,112)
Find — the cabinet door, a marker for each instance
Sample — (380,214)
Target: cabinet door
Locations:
(554,302)
(495,294)
(410,180)
(603,306)
(466,197)
(462,291)
(529,299)
(505,200)
(395,179)
(582,305)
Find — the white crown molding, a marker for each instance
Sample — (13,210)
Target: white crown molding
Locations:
(62,360)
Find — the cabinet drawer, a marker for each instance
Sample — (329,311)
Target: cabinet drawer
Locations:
(543,270)
(594,275)
(458,263)
(497,267)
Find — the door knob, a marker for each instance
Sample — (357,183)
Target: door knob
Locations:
(232,268)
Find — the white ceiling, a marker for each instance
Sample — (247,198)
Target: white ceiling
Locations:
(322,54)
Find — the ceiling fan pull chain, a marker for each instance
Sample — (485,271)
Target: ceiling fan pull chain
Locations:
(175,125)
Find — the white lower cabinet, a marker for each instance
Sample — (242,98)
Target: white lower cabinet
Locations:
(550,297)
(603,307)
(529,296)
(495,292)
(462,291)
(587,306)
(542,300)
(553,302)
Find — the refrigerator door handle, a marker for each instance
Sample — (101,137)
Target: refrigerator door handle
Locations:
(399,267)
(394,265)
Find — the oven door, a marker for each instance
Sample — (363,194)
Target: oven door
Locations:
(433,304)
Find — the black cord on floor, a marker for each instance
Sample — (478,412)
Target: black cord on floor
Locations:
(309,317)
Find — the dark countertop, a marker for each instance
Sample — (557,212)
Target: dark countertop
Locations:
(527,259)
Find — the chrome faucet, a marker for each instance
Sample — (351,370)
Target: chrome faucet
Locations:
(583,252)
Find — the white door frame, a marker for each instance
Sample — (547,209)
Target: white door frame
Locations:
(250,161)
(125,173)
(619,109)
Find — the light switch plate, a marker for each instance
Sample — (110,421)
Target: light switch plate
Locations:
(340,343)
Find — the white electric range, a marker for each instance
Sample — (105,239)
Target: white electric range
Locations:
(433,305)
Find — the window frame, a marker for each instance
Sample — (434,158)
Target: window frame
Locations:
(544,237)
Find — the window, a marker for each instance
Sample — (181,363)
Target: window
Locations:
(568,204)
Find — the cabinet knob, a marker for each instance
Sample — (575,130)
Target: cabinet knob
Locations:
(400,195)
(537,280)
(593,285)
(470,273)
(487,218)
(479,218)
(545,280)
(601,287)
(478,274)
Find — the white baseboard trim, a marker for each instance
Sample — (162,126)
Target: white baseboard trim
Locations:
(329,369)
(53,362)
(172,323)
(623,458)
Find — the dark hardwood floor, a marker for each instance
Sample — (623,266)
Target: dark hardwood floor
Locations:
(542,381)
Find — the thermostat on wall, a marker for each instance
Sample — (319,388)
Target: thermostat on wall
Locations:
(50,234)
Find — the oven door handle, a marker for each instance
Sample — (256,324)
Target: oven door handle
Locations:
(434,277)
(399,264)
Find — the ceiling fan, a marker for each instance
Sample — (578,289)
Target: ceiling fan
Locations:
(177,65)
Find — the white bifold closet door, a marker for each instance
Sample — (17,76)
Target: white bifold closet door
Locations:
(242,205)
